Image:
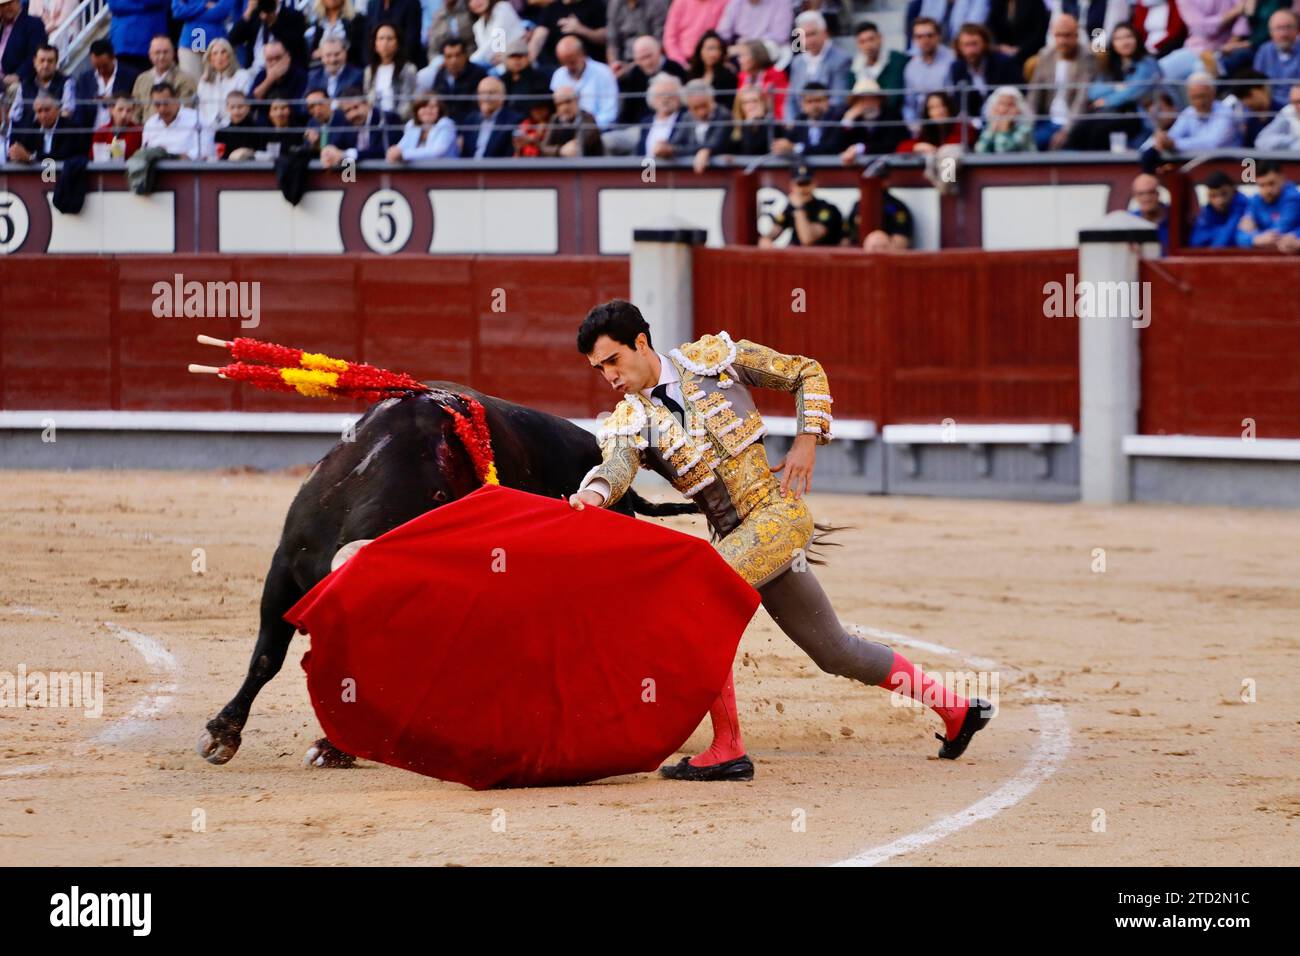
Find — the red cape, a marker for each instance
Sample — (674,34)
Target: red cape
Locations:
(505,639)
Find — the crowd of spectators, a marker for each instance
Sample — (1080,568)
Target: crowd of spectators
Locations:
(695,80)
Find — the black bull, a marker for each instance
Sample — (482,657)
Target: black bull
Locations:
(405,460)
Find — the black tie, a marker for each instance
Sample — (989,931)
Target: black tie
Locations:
(661,392)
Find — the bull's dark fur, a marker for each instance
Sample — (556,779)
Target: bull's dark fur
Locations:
(405,460)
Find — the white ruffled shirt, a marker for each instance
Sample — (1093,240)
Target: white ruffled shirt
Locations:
(667,376)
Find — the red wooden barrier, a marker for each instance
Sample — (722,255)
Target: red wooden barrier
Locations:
(1223,346)
(911,337)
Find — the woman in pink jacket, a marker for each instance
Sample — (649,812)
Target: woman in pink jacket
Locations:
(688,20)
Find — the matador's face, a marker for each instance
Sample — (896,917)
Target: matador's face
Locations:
(626,369)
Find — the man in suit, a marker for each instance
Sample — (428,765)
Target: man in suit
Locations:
(690,417)
(819,131)
(279,79)
(648,61)
(21,34)
(820,62)
(46,77)
(703,132)
(572,131)
(456,81)
(655,136)
(1060,81)
(266,20)
(368,134)
(324,122)
(489,131)
(335,72)
(980,68)
(98,87)
(46,134)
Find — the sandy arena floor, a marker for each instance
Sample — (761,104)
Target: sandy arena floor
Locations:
(1121,699)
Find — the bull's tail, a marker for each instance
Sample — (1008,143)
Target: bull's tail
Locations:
(653,510)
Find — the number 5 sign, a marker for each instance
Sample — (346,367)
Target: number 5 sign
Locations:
(386,221)
(13,223)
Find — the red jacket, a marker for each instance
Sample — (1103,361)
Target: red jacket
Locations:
(106,134)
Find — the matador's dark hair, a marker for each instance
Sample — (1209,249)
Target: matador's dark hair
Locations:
(617,318)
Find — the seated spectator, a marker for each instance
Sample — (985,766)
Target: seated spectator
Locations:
(753,130)
(408,22)
(1145,204)
(1124,82)
(979,67)
(1019,28)
(323,120)
(927,70)
(582,21)
(389,79)
(756,20)
(525,85)
(1283,133)
(265,20)
(821,62)
(868,129)
(596,86)
(1160,26)
(456,81)
(496,26)
(666,115)
(709,63)
(280,133)
(838,14)
(489,131)
(203,22)
(1008,123)
(22,34)
(758,71)
(370,132)
(334,71)
(429,135)
(98,88)
(688,21)
(122,131)
(1278,59)
(172,126)
(46,77)
(531,131)
(1273,212)
(220,74)
(337,20)
(162,57)
(648,60)
(45,134)
(241,137)
(453,21)
(885,69)
(1251,102)
(895,232)
(949,15)
(1207,123)
(1216,224)
(702,133)
(279,79)
(819,131)
(572,131)
(810,221)
(1061,77)
(625,21)
(942,127)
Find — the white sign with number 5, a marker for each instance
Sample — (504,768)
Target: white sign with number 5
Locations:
(13,223)
(386,221)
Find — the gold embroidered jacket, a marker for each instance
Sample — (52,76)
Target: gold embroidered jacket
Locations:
(717,459)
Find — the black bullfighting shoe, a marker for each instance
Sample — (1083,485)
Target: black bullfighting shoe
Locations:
(742,768)
(978,714)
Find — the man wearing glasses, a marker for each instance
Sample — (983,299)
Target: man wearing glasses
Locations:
(926,71)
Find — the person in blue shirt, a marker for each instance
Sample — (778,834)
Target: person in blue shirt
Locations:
(1146,205)
(202,21)
(1207,123)
(1216,225)
(1273,213)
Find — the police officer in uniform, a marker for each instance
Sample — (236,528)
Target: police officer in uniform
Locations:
(811,221)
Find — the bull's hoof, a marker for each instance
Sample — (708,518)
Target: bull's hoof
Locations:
(218,749)
(324,754)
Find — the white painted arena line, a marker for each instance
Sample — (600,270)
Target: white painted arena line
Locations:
(1048,756)
(156,656)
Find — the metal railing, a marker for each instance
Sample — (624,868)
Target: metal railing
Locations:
(74,35)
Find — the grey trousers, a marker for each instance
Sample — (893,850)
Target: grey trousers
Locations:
(801,609)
